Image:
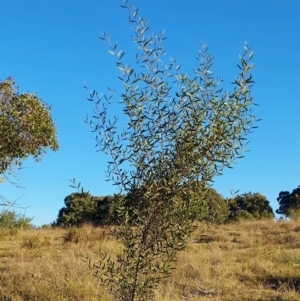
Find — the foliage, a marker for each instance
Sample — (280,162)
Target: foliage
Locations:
(249,206)
(289,203)
(214,209)
(82,207)
(106,210)
(181,132)
(10,219)
(212,206)
(26,127)
(79,208)
(294,214)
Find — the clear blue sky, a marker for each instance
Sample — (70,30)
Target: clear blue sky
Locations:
(52,47)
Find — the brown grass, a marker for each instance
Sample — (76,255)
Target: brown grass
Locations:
(237,262)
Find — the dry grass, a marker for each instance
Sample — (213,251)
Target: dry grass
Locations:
(237,262)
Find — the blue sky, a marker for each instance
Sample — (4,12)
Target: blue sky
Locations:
(52,47)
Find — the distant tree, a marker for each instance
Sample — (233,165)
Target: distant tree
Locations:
(102,211)
(11,219)
(212,207)
(82,207)
(79,208)
(289,203)
(215,207)
(251,206)
(106,210)
(26,128)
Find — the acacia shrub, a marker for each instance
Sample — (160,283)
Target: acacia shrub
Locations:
(180,132)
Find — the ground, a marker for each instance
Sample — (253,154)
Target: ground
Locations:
(243,261)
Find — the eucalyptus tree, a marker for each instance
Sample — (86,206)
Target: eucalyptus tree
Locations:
(181,132)
(26,129)
(289,203)
(253,206)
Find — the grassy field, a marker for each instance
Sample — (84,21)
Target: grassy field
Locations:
(237,262)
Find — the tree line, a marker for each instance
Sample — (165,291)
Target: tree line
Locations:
(82,207)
